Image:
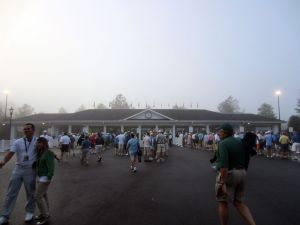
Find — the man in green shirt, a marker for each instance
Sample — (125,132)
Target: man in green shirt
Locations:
(230,182)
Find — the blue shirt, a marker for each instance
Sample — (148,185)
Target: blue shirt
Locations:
(295,138)
(269,140)
(85,144)
(133,145)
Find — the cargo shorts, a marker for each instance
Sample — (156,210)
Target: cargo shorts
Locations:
(235,186)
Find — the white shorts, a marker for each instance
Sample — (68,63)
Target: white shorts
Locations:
(296,147)
(98,148)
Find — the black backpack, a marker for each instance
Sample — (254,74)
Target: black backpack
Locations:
(99,140)
(249,143)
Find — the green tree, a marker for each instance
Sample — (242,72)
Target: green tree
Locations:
(297,109)
(178,107)
(266,110)
(230,105)
(81,108)
(294,121)
(119,102)
(62,110)
(25,110)
(101,106)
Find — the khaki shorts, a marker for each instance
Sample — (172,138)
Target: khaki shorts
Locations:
(235,187)
(147,150)
(161,148)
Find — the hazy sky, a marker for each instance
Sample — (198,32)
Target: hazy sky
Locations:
(64,53)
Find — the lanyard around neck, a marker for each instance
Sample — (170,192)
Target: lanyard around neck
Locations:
(27,147)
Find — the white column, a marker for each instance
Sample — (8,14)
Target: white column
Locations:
(52,131)
(207,129)
(122,128)
(69,129)
(275,129)
(140,132)
(156,127)
(104,129)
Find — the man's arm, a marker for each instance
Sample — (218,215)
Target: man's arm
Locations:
(7,157)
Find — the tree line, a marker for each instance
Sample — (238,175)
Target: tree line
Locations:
(230,105)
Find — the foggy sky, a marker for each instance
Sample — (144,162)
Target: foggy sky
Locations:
(64,53)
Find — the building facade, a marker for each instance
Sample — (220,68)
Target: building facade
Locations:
(141,120)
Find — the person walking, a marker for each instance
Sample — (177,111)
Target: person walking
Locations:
(161,146)
(296,145)
(65,145)
(24,172)
(230,182)
(99,145)
(85,148)
(284,142)
(133,146)
(269,144)
(121,142)
(147,147)
(45,172)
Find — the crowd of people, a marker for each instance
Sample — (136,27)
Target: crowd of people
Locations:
(283,145)
(35,160)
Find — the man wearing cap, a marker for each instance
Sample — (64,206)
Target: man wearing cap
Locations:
(48,137)
(230,182)
(269,144)
(161,146)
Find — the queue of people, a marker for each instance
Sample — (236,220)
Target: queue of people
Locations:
(284,145)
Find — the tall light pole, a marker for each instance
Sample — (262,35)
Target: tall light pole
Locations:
(278,93)
(6,92)
(11,110)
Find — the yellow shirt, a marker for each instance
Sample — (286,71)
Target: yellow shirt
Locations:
(284,139)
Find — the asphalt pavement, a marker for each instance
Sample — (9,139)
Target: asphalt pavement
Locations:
(179,191)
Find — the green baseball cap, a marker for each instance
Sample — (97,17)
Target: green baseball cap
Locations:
(226,127)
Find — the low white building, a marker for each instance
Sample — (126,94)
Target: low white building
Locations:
(141,120)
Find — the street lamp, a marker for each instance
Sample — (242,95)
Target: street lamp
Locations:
(11,110)
(278,93)
(6,92)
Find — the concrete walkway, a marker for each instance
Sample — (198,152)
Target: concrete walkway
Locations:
(179,191)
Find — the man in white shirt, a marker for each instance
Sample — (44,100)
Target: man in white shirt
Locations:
(121,141)
(147,147)
(48,137)
(65,144)
(24,172)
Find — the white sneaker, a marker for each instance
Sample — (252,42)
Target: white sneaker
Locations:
(134,169)
(28,217)
(3,220)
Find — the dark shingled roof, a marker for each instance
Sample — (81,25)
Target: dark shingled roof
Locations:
(120,114)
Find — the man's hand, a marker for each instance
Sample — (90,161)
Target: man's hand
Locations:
(224,188)
(7,157)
